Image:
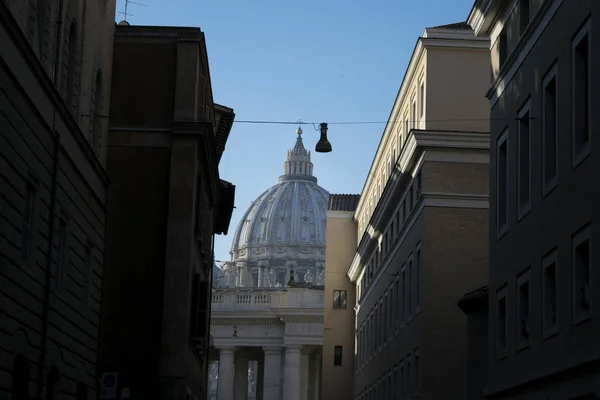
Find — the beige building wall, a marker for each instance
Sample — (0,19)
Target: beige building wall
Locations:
(339,323)
(423,222)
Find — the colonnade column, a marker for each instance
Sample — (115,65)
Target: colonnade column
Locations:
(226,374)
(260,376)
(314,388)
(304,375)
(291,384)
(241,378)
(271,373)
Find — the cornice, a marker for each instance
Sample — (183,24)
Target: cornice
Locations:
(302,318)
(481,16)
(245,321)
(340,214)
(447,40)
(419,141)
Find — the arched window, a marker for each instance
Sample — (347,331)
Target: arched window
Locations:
(82,392)
(96,120)
(38,24)
(52,379)
(20,379)
(71,57)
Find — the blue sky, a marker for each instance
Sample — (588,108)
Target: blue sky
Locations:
(314,60)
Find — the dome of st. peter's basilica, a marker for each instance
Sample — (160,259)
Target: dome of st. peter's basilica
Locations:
(283,231)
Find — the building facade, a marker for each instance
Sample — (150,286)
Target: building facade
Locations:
(166,203)
(543,286)
(422,224)
(267,318)
(55,73)
(340,298)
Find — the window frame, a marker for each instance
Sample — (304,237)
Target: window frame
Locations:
(501,293)
(585,29)
(417,265)
(503,138)
(582,235)
(31,198)
(524,207)
(550,260)
(548,184)
(341,306)
(523,278)
(338,361)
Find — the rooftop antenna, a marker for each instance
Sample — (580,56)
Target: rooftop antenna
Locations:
(125,13)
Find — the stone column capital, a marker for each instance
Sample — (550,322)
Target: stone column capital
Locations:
(272,350)
(293,349)
(226,350)
(263,263)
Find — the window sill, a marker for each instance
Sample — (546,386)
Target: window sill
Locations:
(503,230)
(523,211)
(549,186)
(579,158)
(549,332)
(579,317)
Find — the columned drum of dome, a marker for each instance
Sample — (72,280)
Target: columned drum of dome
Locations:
(283,231)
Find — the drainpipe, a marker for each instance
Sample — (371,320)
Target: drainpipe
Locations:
(52,218)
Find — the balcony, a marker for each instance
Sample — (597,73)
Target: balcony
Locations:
(264,299)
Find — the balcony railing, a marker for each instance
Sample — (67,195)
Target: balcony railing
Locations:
(257,299)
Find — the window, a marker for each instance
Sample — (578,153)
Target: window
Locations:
(523,306)
(417,372)
(524,162)
(422,99)
(402,383)
(502,184)
(82,392)
(60,253)
(404,210)
(392,309)
(549,291)
(396,384)
(404,293)
(52,379)
(501,326)
(398,303)
(339,299)
(337,355)
(502,47)
(581,94)
(418,184)
(417,278)
(549,130)
(409,377)
(410,288)
(39,26)
(27,221)
(581,275)
(20,378)
(414,112)
(410,198)
(406,125)
(87,274)
(71,63)
(96,117)
(523,15)
(384,312)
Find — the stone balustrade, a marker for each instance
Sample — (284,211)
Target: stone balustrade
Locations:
(233,299)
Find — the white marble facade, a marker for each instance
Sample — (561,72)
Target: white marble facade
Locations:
(283,230)
(267,343)
(267,302)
